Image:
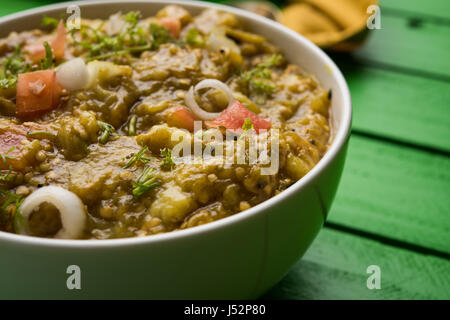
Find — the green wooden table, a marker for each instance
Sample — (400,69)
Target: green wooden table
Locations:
(393,205)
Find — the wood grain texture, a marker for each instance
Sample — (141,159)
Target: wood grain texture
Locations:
(8,7)
(335,268)
(401,106)
(395,191)
(423,48)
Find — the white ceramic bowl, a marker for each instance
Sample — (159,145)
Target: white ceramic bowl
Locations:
(238,257)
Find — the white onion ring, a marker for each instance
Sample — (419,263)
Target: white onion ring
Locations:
(73,74)
(70,207)
(207,83)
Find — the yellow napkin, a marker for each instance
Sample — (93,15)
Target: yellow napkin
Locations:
(333,24)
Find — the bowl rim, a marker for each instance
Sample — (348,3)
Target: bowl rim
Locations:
(340,137)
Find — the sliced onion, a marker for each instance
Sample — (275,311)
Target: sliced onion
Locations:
(207,83)
(70,207)
(73,75)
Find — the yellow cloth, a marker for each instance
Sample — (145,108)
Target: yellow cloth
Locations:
(335,24)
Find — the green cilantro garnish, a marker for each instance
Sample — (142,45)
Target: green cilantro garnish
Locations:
(7,156)
(49,22)
(159,35)
(16,64)
(132,18)
(247,128)
(145,182)
(131,39)
(12,66)
(108,132)
(7,176)
(47,62)
(12,198)
(258,79)
(138,157)
(248,125)
(168,162)
(194,38)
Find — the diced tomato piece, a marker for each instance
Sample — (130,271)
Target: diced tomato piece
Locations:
(233,117)
(59,43)
(173,24)
(37,93)
(180,117)
(36,51)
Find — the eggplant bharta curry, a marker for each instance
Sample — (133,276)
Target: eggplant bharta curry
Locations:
(88,117)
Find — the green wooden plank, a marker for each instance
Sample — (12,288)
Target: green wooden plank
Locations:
(400,106)
(8,7)
(397,192)
(424,48)
(335,268)
(437,8)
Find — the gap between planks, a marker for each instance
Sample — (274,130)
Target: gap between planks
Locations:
(402,143)
(335,267)
(388,241)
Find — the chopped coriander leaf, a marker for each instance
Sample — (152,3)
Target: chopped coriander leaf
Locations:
(159,35)
(12,66)
(131,39)
(6,176)
(145,182)
(248,125)
(262,85)
(119,53)
(132,17)
(11,199)
(47,62)
(193,38)
(108,131)
(100,45)
(168,162)
(7,156)
(258,79)
(15,63)
(8,82)
(49,22)
(138,157)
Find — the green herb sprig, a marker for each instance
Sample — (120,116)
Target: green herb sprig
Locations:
(12,198)
(258,79)
(131,39)
(7,156)
(145,182)
(194,38)
(6,176)
(108,132)
(138,158)
(47,62)
(12,66)
(16,63)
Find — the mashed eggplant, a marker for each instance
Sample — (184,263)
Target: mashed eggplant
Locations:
(100,112)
